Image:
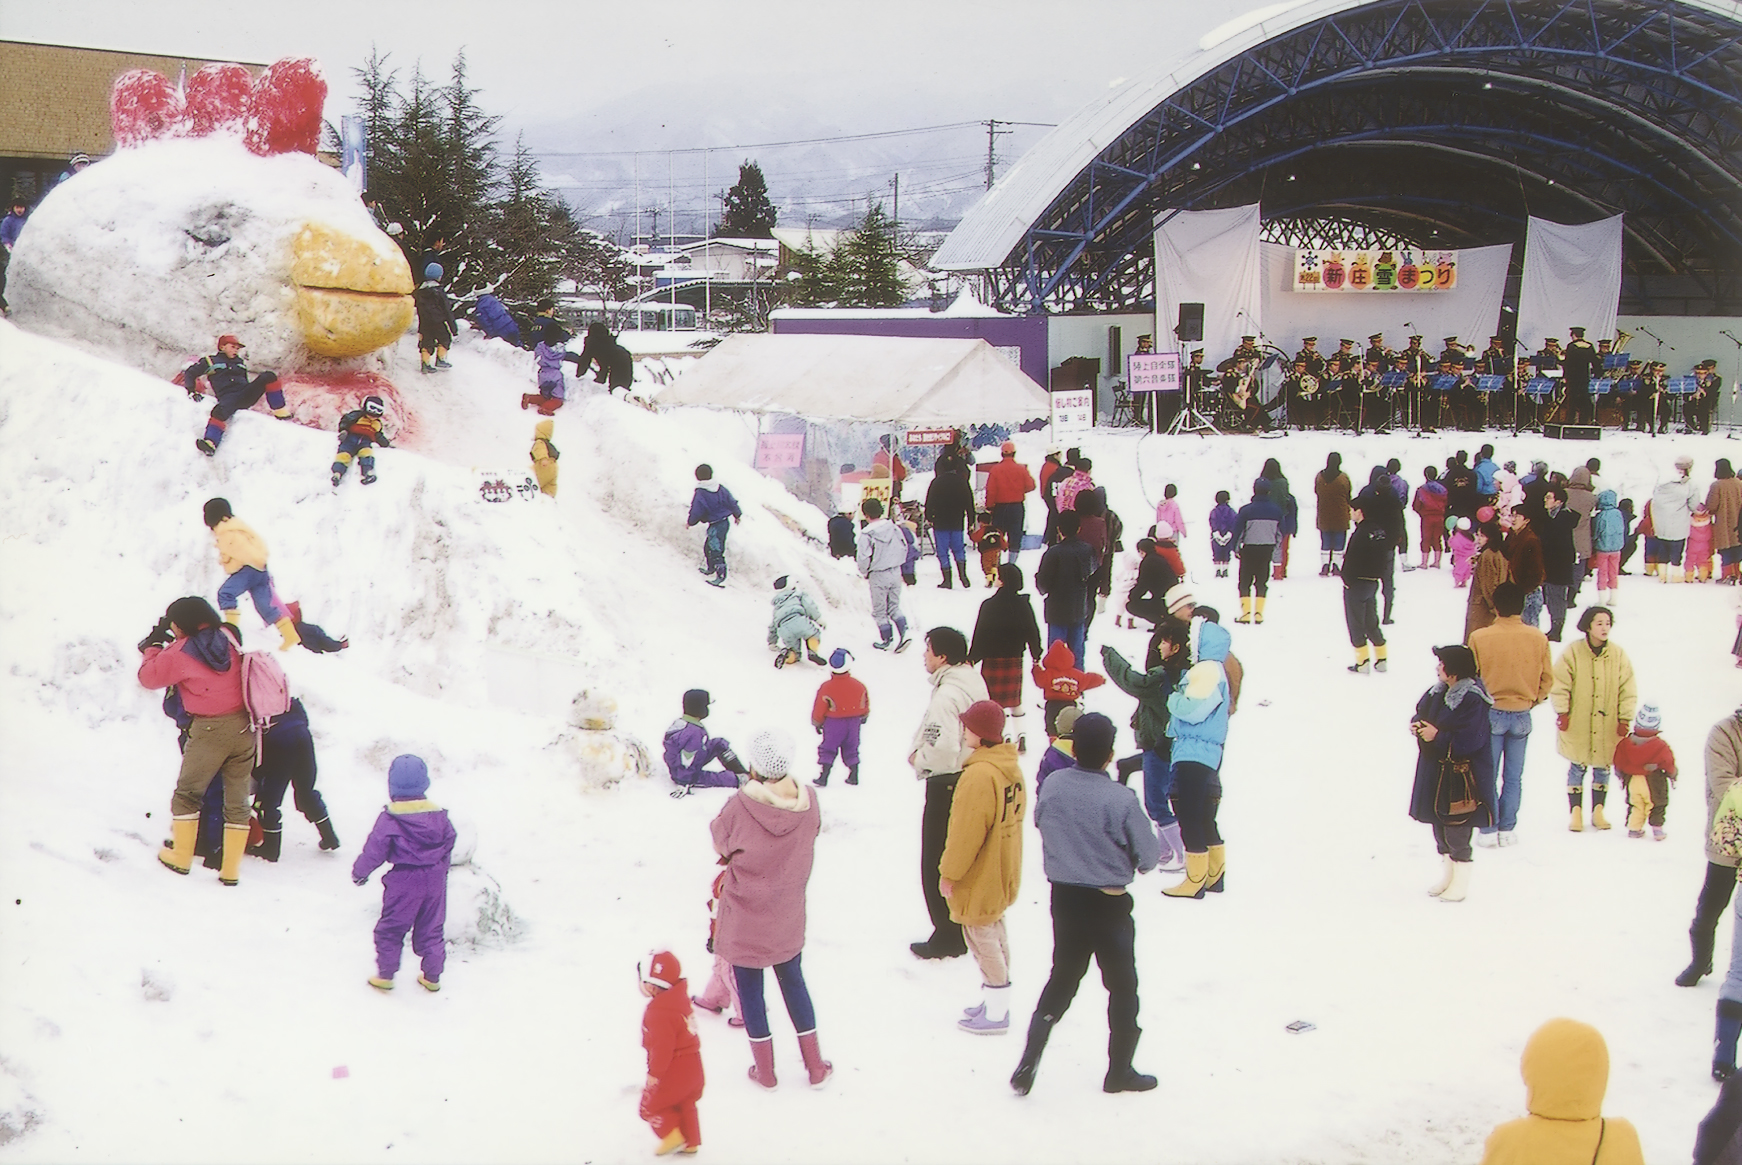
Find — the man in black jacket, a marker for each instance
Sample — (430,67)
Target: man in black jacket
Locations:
(1065,577)
(1366,562)
(1559,556)
(1147,598)
(949,507)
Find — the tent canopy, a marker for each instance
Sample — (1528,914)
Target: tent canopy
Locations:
(887,379)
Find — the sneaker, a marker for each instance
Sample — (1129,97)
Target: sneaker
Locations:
(337,478)
(1381,665)
(781,659)
(1508,837)
(1387,621)
(979,1025)
(716,582)
(429,984)
(1657,833)
(697,1000)
(1636,833)
(426,369)
(380,984)
(440,363)
(1360,669)
(369,479)
(902,646)
(1487,840)
(205,446)
(884,644)
(817,659)
(971,1012)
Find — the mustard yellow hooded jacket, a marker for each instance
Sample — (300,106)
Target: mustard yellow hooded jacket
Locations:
(1566,1071)
(238,546)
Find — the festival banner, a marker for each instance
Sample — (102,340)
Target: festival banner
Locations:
(779,451)
(1396,269)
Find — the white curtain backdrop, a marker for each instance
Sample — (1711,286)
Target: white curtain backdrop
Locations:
(1208,257)
(1469,311)
(1572,276)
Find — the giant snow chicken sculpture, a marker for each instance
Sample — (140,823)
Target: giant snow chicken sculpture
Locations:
(213,216)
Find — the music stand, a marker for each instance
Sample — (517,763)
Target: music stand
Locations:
(1601,387)
(1616,360)
(1487,383)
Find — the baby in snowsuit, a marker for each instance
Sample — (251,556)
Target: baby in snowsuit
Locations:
(360,430)
(795,623)
(1061,681)
(674,1056)
(689,748)
(242,555)
(1645,759)
(416,836)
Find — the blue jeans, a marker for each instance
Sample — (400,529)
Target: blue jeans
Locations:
(1533,608)
(257,584)
(792,989)
(714,547)
(1509,735)
(1576,777)
(1075,635)
(950,544)
(1158,783)
(1008,517)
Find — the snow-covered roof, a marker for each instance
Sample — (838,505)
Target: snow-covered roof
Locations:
(997,223)
(820,239)
(965,306)
(861,378)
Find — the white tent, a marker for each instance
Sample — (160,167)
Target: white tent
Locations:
(915,382)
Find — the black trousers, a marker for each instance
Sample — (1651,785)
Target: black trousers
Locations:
(1714,900)
(1454,841)
(287,762)
(1089,924)
(1388,584)
(229,406)
(1255,570)
(1196,798)
(940,793)
(1361,611)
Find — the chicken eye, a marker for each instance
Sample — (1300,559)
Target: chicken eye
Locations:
(213,226)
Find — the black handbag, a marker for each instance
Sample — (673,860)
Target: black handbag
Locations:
(1455,797)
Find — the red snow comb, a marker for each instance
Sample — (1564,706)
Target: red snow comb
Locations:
(278,114)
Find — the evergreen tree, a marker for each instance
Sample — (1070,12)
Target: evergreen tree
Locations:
(867,269)
(748,213)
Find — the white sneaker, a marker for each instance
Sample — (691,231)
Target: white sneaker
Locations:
(1487,840)
(1507,837)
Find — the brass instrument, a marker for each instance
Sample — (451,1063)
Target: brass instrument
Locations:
(1307,385)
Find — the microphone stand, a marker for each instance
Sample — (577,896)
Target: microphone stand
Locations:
(1730,435)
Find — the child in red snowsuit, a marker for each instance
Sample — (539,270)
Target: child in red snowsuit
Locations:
(674,1056)
(992,542)
(1645,759)
(1061,682)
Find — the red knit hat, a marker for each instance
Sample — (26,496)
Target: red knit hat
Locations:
(984,719)
(661,969)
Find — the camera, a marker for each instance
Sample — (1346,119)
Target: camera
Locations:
(159,635)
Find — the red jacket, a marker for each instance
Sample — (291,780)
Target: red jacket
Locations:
(839,697)
(1642,753)
(1008,481)
(1058,680)
(674,1051)
(204,692)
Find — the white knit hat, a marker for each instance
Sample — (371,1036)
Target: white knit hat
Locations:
(1648,718)
(771,753)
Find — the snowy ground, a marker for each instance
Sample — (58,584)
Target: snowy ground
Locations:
(145,1017)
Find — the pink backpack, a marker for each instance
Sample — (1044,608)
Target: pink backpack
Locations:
(265,692)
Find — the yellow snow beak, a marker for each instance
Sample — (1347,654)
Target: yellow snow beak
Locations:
(352,295)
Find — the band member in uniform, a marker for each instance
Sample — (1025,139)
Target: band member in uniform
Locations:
(1248,350)
(1374,403)
(1494,361)
(1301,392)
(1525,408)
(1377,352)
(1454,352)
(1631,397)
(1416,365)
(1699,406)
(1342,387)
(1578,363)
(1437,412)
(1653,400)
(1310,355)
(1466,401)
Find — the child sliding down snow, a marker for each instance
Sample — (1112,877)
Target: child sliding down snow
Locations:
(226,375)
(359,430)
(674,1056)
(689,748)
(795,623)
(242,554)
(416,836)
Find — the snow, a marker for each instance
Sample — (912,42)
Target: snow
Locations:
(149,1017)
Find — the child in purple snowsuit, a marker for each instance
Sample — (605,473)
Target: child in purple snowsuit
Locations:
(1223,519)
(1061,753)
(837,714)
(689,748)
(416,836)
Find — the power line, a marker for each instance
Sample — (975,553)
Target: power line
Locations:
(858,137)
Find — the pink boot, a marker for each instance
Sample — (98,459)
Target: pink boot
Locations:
(762,1051)
(820,1069)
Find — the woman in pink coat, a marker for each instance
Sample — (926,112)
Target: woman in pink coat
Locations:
(766,838)
(1168,511)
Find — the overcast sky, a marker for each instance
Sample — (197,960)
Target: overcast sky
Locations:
(586,78)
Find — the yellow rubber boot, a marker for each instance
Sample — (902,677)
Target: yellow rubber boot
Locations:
(1598,820)
(232,616)
(1218,858)
(1245,609)
(1197,865)
(180,856)
(672,1143)
(1577,824)
(235,842)
(1258,609)
(287,629)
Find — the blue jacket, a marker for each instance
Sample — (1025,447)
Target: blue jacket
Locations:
(1199,707)
(494,320)
(1608,525)
(712,503)
(9,228)
(1485,471)
(1259,524)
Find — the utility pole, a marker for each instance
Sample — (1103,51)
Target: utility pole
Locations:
(895,230)
(992,132)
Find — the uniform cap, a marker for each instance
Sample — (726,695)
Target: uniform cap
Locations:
(1309,339)
(1577,331)
(1376,337)
(1346,343)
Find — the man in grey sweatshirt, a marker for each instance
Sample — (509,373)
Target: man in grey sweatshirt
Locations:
(1094,838)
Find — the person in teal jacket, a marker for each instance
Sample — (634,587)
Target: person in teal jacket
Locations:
(1198,727)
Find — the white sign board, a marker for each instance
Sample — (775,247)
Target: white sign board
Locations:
(1073,410)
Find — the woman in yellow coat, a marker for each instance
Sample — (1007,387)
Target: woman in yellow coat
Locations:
(544,457)
(980,872)
(1566,1071)
(1594,698)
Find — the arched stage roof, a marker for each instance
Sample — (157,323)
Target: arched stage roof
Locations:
(1445,122)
